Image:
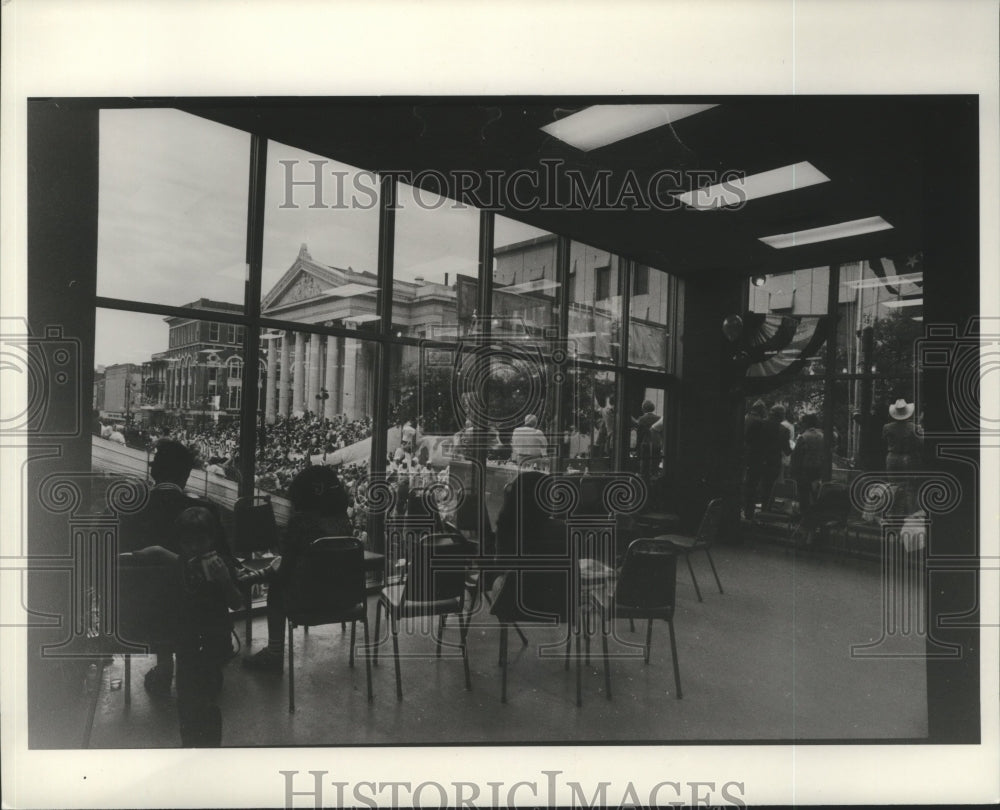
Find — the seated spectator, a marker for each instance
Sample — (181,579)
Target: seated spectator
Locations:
(155,526)
(528,441)
(319,509)
(207,592)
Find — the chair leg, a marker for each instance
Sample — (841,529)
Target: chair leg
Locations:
(440,634)
(520,632)
(649,638)
(378,626)
(607,665)
(694,579)
(463,629)
(673,653)
(291,668)
(368,658)
(631,625)
(714,572)
(343,627)
(503,663)
(579,667)
(128,681)
(350,657)
(586,635)
(569,646)
(247,621)
(394,624)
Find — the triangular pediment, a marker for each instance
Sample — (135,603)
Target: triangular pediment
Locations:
(302,281)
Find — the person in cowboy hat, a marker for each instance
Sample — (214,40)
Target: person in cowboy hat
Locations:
(904,445)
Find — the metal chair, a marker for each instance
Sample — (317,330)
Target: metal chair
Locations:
(328,587)
(436,584)
(147,609)
(542,589)
(708,533)
(255,530)
(646,589)
(782,508)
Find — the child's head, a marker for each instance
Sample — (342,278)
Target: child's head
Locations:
(195,527)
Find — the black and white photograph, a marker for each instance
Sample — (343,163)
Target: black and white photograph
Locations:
(529,437)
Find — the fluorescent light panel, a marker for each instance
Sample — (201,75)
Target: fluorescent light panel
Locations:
(602,124)
(754,186)
(842,230)
(906,302)
(870,283)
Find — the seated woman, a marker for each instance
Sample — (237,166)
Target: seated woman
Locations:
(319,504)
(525,528)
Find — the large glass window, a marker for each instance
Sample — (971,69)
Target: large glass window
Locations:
(597,278)
(145,390)
(320,261)
(436,265)
(654,310)
(172,209)
(525,282)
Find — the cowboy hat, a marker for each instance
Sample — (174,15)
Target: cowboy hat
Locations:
(901,410)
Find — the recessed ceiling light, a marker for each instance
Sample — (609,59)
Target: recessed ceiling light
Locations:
(754,186)
(597,126)
(856,227)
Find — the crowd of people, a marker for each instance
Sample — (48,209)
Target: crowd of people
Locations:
(774,451)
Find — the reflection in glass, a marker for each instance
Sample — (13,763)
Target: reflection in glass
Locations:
(654,314)
(525,286)
(596,279)
(320,260)
(436,265)
(172,211)
(589,419)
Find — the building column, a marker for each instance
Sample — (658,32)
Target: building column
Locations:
(313,404)
(350,378)
(299,375)
(285,388)
(331,382)
(271,382)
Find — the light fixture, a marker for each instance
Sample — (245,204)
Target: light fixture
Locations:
(530,286)
(732,327)
(758,280)
(754,186)
(841,230)
(602,124)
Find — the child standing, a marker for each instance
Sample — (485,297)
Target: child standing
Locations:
(204,643)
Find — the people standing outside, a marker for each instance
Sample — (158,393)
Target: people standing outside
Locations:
(904,446)
(808,459)
(527,441)
(754,453)
(646,444)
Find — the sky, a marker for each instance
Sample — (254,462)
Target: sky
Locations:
(173,211)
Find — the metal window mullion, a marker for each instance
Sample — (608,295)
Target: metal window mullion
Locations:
(249,395)
(829,389)
(380,418)
(562,276)
(624,378)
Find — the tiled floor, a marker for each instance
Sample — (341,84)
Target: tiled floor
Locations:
(770,659)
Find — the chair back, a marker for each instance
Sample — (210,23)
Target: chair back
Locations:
(254,526)
(648,578)
(148,602)
(711,523)
(428,578)
(329,578)
(784,497)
